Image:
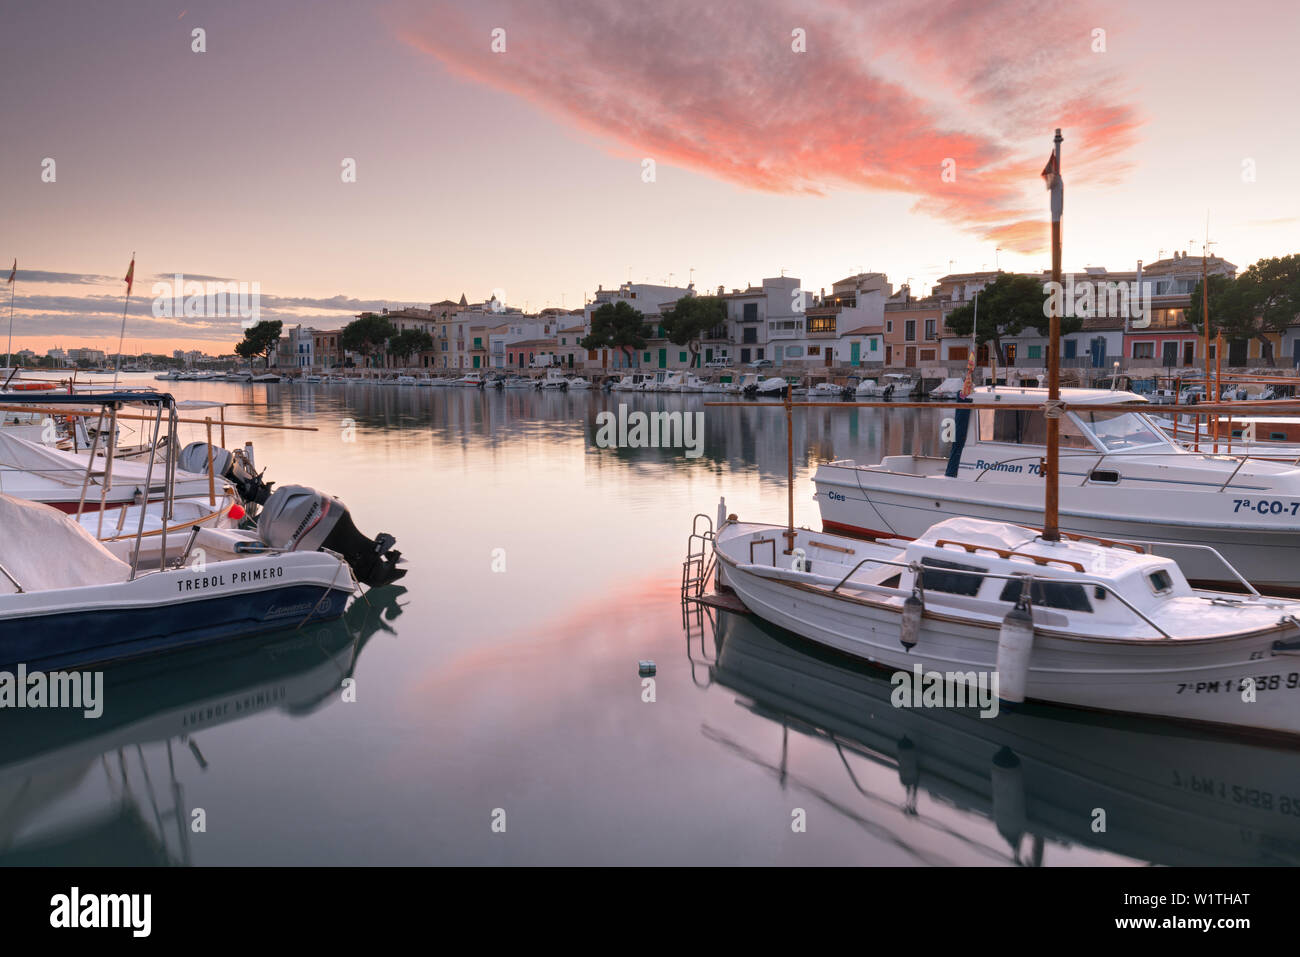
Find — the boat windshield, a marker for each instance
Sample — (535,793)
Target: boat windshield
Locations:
(1120,431)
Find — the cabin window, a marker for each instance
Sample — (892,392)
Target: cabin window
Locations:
(1048,594)
(1121,430)
(1277,436)
(1161,582)
(1027,428)
(951,577)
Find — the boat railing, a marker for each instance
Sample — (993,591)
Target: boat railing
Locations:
(1101,457)
(917,570)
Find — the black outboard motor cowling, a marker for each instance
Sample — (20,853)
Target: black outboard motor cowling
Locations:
(231,466)
(298,518)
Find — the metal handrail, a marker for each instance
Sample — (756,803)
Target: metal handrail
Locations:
(1018,576)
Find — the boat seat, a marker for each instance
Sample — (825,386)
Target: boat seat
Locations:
(44,549)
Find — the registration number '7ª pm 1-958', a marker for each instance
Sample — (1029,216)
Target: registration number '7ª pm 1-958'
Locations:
(1265,506)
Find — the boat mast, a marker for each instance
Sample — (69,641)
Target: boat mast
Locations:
(1051,497)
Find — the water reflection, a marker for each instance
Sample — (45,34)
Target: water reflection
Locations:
(156,711)
(1040,775)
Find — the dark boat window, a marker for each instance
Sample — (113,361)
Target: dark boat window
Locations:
(1063,595)
(1160,582)
(948,577)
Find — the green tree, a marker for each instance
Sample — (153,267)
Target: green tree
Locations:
(1272,287)
(408,342)
(691,318)
(1232,311)
(366,335)
(259,340)
(1008,306)
(615,325)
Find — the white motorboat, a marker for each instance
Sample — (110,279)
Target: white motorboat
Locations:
(691,383)
(66,597)
(829,390)
(632,382)
(472,381)
(1122,477)
(1084,623)
(266,377)
(405,380)
(754,385)
(578,383)
(949,388)
(891,385)
(232,376)
(519,382)
(41,473)
(554,379)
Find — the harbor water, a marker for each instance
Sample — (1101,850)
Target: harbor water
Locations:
(491,708)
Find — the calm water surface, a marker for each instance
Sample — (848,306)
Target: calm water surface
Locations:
(481,690)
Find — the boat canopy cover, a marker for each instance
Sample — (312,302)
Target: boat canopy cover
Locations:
(23,455)
(977,531)
(43,549)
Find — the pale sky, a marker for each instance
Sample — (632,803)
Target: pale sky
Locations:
(522,170)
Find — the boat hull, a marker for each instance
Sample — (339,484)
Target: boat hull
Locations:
(874,504)
(1197,680)
(173,609)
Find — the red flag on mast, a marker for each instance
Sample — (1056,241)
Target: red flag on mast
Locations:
(130,276)
(13,272)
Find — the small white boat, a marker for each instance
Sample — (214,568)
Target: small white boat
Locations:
(830,390)
(691,383)
(519,382)
(949,388)
(668,382)
(631,382)
(472,381)
(1086,623)
(266,377)
(759,386)
(405,380)
(892,385)
(578,383)
(554,379)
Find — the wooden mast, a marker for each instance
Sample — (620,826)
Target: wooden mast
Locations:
(1051,496)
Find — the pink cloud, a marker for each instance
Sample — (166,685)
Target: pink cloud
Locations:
(716,88)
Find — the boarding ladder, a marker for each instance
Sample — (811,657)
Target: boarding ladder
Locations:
(700,560)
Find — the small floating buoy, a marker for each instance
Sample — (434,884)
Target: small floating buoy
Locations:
(1015,642)
(646,668)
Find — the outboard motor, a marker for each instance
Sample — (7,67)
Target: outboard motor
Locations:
(298,518)
(231,466)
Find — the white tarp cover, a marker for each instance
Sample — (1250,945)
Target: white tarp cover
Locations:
(69,468)
(45,549)
(977,531)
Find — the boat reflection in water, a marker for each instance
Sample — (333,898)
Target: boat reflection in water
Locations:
(158,705)
(1170,795)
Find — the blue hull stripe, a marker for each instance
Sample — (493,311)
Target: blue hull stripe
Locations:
(106,634)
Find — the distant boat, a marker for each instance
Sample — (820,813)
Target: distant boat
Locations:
(266,377)
(949,388)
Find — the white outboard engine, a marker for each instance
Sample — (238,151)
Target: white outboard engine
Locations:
(231,466)
(298,518)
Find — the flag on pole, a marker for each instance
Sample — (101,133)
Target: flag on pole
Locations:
(130,276)
(13,272)
(1052,177)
